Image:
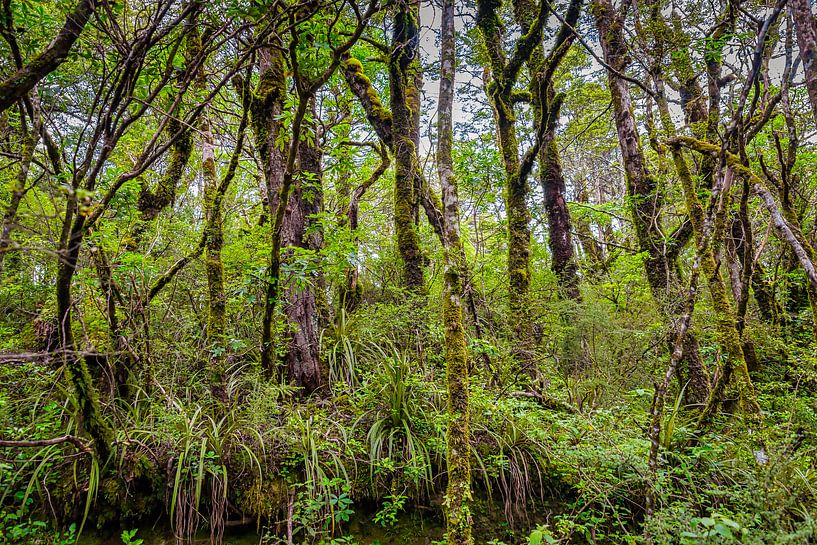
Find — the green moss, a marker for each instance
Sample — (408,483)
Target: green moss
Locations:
(375,107)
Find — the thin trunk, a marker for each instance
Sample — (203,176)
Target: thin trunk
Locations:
(214,231)
(350,298)
(458,443)
(659,399)
(806,28)
(709,228)
(121,361)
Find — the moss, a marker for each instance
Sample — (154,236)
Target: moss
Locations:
(87,401)
(725,318)
(375,107)
(458,493)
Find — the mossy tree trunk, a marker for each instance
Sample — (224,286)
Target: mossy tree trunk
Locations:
(267,108)
(458,436)
(23,80)
(560,239)
(644,196)
(504,72)
(152,201)
(403,67)
(546,107)
(30,138)
(709,230)
(214,229)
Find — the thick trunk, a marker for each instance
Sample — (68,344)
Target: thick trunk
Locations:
(404,102)
(302,357)
(518,216)
(546,108)
(216,296)
(560,239)
(267,107)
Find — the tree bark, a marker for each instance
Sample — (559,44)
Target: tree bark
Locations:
(806,28)
(404,103)
(302,357)
(560,239)
(24,79)
(267,107)
(645,202)
(458,443)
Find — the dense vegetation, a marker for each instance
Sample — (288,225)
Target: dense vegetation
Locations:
(358,271)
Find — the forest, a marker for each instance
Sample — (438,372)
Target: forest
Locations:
(417,272)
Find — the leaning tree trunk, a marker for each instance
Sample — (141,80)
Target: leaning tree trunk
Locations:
(645,206)
(26,77)
(546,107)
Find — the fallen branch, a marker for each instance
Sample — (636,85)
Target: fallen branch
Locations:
(73,439)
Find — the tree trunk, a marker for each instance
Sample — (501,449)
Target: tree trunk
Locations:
(806,28)
(151,202)
(214,231)
(560,239)
(404,103)
(708,230)
(302,358)
(645,204)
(267,107)
(29,144)
(458,443)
